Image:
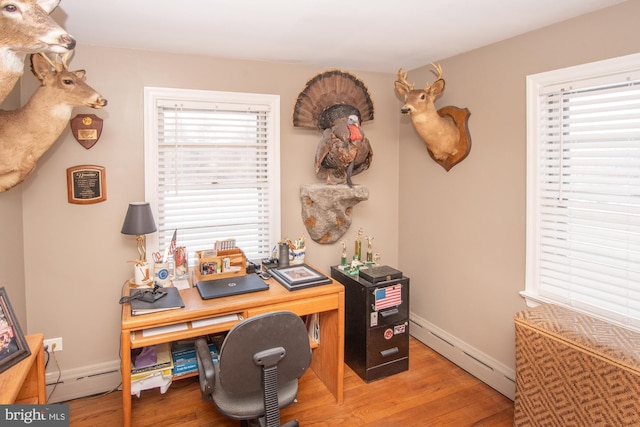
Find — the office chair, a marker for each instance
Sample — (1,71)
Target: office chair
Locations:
(258,367)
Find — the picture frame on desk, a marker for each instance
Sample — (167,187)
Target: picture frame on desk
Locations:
(13,346)
(299,277)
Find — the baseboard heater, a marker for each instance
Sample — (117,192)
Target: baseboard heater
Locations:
(575,370)
(480,365)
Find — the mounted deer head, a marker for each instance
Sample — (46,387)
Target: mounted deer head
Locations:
(25,27)
(28,132)
(444,131)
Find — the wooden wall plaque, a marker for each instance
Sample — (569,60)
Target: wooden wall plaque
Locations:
(86,184)
(86,129)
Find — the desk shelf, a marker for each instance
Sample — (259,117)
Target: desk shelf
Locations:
(186,330)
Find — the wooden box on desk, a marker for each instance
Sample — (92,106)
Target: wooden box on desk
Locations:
(237,263)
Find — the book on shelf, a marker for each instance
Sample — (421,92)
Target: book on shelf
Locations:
(184,356)
(312,322)
(171,301)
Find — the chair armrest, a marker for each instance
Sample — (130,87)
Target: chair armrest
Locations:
(206,370)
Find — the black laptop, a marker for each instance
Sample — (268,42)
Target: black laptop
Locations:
(231,286)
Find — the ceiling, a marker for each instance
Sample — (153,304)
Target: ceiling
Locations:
(379,35)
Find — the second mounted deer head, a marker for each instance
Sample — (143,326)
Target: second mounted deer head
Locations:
(445,131)
(28,132)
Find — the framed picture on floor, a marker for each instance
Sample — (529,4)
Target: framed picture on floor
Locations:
(13,346)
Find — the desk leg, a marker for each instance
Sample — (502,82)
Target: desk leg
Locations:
(327,363)
(126,377)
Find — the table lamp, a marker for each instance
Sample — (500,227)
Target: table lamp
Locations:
(139,222)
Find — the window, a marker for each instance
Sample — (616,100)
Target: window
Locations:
(212,168)
(583,189)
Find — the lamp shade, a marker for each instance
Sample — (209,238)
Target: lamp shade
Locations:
(139,219)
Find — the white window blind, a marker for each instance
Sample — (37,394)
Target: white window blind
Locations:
(212,168)
(583,189)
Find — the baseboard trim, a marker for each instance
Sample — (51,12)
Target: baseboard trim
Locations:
(480,365)
(84,381)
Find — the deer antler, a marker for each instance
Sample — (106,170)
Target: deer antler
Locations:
(402,80)
(438,69)
(49,61)
(65,58)
(61,62)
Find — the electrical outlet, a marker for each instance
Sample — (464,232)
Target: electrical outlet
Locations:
(53,342)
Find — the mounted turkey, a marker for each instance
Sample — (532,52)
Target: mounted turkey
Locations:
(337,102)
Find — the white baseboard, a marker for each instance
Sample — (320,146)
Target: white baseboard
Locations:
(478,364)
(85,381)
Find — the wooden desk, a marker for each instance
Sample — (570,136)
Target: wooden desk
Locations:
(328,300)
(24,382)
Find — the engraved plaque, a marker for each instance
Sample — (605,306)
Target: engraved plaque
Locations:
(86,184)
(86,129)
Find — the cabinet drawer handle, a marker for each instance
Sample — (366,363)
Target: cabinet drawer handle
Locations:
(389,352)
(389,312)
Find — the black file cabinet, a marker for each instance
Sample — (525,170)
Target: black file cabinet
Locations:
(376,325)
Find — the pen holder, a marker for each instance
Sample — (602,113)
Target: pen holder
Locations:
(163,272)
(283,255)
(296,256)
(141,274)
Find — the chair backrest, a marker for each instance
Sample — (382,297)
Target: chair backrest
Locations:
(239,373)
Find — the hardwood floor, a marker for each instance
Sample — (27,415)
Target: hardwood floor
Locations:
(433,392)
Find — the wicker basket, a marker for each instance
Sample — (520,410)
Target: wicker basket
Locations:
(575,370)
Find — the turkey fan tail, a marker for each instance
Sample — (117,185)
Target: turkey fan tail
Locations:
(326,90)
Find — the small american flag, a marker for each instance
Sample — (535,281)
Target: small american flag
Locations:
(389,296)
(172,247)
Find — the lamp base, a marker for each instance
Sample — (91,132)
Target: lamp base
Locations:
(132,283)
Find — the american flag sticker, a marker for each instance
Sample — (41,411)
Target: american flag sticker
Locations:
(390,296)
